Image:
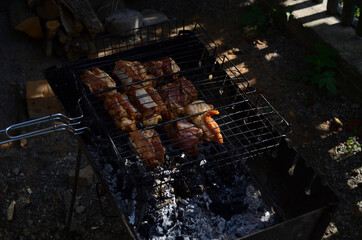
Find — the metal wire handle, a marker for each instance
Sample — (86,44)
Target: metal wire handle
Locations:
(58,121)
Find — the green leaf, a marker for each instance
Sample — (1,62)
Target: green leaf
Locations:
(332,86)
(313,59)
(248,18)
(327,62)
(326,51)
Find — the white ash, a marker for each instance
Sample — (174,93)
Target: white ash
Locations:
(192,218)
(173,216)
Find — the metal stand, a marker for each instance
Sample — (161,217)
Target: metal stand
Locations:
(74,193)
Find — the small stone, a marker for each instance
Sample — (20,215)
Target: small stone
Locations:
(85,176)
(122,20)
(79,209)
(151,17)
(16,171)
(338,122)
(109,8)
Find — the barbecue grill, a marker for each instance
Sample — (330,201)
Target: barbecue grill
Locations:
(253,131)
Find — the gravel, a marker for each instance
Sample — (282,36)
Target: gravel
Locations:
(43,163)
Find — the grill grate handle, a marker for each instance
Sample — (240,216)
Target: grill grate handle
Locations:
(58,122)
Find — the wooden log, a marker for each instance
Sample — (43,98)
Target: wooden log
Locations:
(63,37)
(25,20)
(78,25)
(84,11)
(31,3)
(67,21)
(48,10)
(52,27)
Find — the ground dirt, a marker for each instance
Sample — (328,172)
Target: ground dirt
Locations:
(43,164)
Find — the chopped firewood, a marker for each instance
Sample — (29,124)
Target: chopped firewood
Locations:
(31,3)
(63,37)
(52,27)
(67,21)
(29,190)
(11,211)
(84,11)
(24,19)
(78,25)
(48,10)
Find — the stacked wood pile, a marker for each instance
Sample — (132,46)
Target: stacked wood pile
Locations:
(55,21)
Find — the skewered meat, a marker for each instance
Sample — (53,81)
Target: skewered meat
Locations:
(178,94)
(185,135)
(144,103)
(98,80)
(118,113)
(131,72)
(148,147)
(165,113)
(204,121)
(170,67)
(165,66)
(154,68)
(128,106)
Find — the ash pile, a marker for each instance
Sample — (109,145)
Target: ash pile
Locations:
(214,204)
(201,202)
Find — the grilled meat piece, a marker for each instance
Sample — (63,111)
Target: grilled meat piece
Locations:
(185,135)
(131,72)
(98,80)
(204,121)
(165,113)
(118,113)
(144,103)
(148,147)
(170,67)
(154,68)
(165,66)
(177,95)
(128,106)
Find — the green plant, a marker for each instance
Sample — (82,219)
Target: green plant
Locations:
(324,65)
(352,144)
(258,22)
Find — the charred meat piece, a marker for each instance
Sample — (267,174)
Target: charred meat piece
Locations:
(148,146)
(204,120)
(118,113)
(185,135)
(145,104)
(131,72)
(177,95)
(98,80)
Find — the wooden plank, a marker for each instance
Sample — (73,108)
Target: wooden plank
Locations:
(40,99)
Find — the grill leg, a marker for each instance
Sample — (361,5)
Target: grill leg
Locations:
(74,193)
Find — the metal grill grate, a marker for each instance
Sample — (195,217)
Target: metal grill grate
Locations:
(248,123)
